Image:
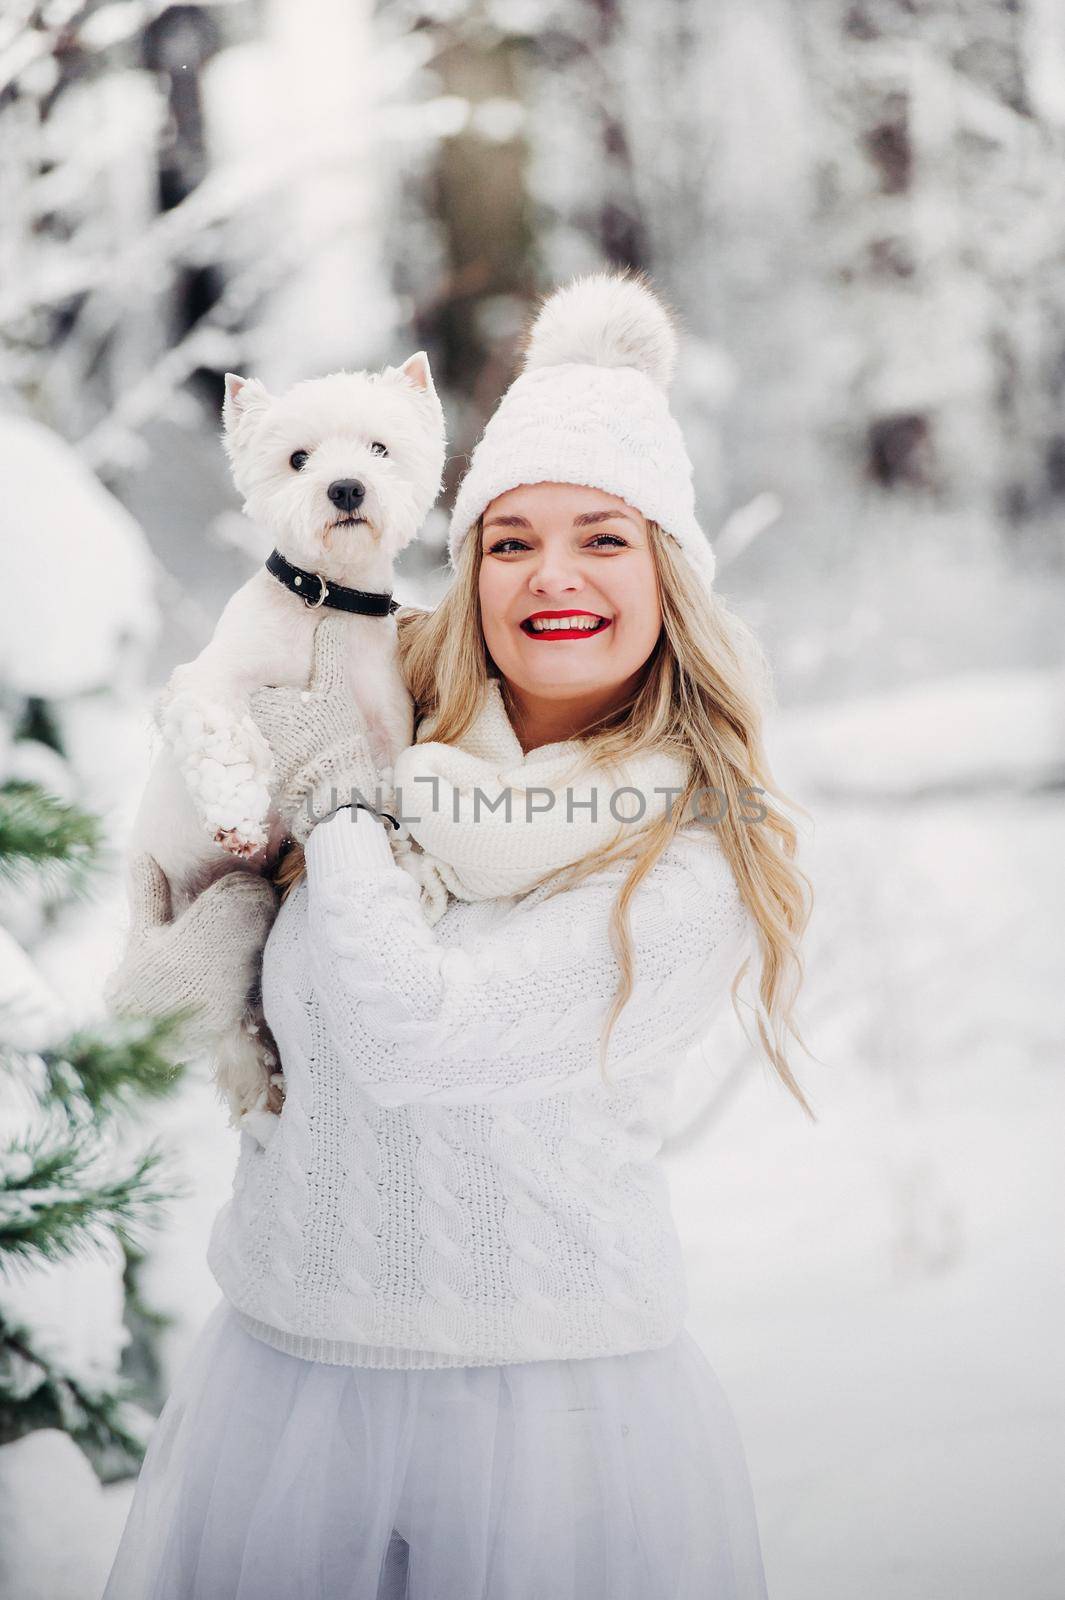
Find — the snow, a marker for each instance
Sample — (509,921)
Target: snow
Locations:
(760,115)
(882,1293)
(29,761)
(930,735)
(87,1347)
(175,1278)
(109,741)
(75,607)
(58,1527)
(33,1014)
(329,303)
(76,615)
(1044,46)
(73,946)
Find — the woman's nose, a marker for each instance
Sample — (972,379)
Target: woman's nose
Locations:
(553,575)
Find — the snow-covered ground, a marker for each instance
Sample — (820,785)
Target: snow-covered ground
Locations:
(881,1293)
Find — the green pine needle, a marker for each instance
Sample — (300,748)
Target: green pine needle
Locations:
(45,838)
(67,1184)
(55,1199)
(115,1065)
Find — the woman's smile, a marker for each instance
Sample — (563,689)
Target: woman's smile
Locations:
(558,625)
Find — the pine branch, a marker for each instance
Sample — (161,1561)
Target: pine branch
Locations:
(54,1199)
(44,837)
(36,1392)
(126,1060)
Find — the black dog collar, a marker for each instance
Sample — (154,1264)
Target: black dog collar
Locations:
(314,591)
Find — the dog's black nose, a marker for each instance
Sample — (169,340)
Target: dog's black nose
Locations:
(347,494)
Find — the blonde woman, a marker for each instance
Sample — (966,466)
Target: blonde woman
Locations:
(450,1361)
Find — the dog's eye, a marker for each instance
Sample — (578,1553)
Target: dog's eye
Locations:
(378,448)
(298,460)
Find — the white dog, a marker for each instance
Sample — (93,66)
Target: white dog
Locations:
(341,471)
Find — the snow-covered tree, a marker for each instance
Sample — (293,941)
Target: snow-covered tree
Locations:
(79,1187)
(68,1187)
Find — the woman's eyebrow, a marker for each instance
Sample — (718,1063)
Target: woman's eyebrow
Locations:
(587,519)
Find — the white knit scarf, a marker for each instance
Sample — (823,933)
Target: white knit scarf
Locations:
(487,820)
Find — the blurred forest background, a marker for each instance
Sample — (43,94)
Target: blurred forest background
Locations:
(856,208)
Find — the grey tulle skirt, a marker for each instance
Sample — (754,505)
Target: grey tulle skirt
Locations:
(273,1478)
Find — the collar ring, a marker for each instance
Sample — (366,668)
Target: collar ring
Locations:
(323,591)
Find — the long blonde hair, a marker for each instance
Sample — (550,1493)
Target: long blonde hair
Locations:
(704,690)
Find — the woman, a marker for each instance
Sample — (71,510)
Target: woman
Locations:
(450,1359)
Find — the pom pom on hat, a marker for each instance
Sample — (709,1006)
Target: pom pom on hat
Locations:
(590,407)
(605,320)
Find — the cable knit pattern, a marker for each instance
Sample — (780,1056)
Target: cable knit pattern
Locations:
(442,1267)
(451,1182)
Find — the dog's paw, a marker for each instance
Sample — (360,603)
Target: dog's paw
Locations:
(236,844)
(260,1123)
(227,767)
(262,1118)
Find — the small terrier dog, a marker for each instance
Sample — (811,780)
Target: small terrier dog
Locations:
(341,471)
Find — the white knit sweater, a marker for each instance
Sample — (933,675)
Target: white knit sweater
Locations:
(450,1182)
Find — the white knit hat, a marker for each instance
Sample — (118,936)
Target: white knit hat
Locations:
(590,407)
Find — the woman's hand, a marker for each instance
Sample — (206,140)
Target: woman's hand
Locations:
(318,739)
(204,962)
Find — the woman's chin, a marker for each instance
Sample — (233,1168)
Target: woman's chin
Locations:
(561,683)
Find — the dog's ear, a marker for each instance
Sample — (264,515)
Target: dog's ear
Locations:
(416,368)
(243,396)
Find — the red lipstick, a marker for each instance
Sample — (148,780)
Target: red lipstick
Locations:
(602,623)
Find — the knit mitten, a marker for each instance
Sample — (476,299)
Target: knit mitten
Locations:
(317,738)
(204,962)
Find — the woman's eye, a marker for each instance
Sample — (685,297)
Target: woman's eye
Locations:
(499,548)
(378,448)
(298,460)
